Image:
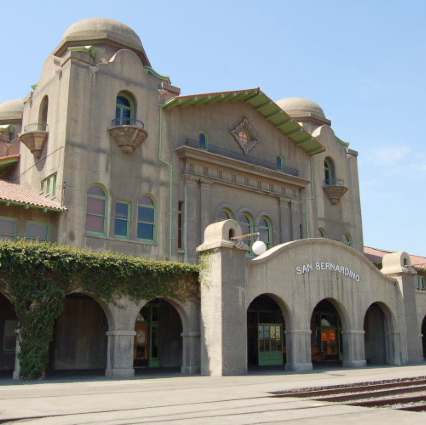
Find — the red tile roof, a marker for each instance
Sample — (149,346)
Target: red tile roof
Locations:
(16,155)
(376,255)
(17,194)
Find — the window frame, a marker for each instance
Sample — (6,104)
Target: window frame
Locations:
(280,162)
(38,222)
(15,228)
(129,216)
(131,108)
(250,240)
(226,210)
(152,241)
(329,167)
(206,140)
(269,229)
(105,216)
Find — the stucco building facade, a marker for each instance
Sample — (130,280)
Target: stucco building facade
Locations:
(105,153)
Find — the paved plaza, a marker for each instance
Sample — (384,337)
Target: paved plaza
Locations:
(197,400)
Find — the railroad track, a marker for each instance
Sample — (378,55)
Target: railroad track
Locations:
(399,394)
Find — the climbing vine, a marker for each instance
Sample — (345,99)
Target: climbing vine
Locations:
(38,276)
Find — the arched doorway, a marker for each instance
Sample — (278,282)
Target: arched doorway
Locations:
(326,339)
(158,340)
(8,326)
(375,342)
(79,339)
(265,333)
(424,337)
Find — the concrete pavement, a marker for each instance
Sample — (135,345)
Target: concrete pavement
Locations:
(197,400)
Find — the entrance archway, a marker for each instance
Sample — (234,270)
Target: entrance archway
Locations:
(424,337)
(265,333)
(158,340)
(8,325)
(375,341)
(79,340)
(326,339)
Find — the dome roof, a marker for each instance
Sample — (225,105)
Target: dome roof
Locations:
(299,107)
(100,28)
(12,109)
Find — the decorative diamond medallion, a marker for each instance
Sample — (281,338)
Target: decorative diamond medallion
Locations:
(245,136)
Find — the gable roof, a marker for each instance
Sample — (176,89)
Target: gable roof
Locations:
(262,104)
(15,194)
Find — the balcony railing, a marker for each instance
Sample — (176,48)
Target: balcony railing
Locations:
(241,157)
(334,182)
(116,122)
(37,126)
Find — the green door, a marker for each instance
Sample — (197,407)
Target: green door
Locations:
(270,343)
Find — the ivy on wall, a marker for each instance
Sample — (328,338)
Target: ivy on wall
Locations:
(38,276)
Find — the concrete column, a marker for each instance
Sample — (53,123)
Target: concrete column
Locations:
(191,353)
(393,349)
(286,231)
(223,309)
(295,219)
(353,348)
(191,218)
(298,345)
(205,205)
(120,353)
(17,368)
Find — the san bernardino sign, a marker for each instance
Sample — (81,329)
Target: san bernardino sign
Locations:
(324,265)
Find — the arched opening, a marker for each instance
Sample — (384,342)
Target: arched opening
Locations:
(203,140)
(125,109)
(329,173)
(326,338)
(266,344)
(158,340)
(79,339)
(265,230)
(424,337)
(375,341)
(224,214)
(8,326)
(42,114)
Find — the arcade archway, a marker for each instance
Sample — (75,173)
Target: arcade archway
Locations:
(79,340)
(375,338)
(326,337)
(266,345)
(158,340)
(8,325)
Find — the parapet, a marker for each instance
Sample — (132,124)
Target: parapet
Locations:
(396,262)
(217,235)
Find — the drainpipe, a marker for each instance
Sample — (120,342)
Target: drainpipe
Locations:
(170,168)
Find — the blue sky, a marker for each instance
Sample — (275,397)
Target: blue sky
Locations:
(362,61)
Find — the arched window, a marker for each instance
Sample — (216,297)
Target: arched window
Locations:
(265,230)
(321,232)
(203,140)
(42,114)
(125,110)
(280,163)
(96,203)
(224,214)
(146,219)
(246,223)
(329,176)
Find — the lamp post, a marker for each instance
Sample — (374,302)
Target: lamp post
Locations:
(259,247)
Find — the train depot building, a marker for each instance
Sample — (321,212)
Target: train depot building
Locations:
(104,153)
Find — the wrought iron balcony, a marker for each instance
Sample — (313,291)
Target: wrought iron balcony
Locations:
(334,189)
(34,137)
(241,157)
(127,133)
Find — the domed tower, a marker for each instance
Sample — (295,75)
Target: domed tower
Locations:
(334,202)
(306,112)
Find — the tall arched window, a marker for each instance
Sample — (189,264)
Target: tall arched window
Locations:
(42,114)
(203,140)
(265,230)
(329,176)
(146,219)
(125,110)
(246,224)
(280,163)
(96,207)
(224,214)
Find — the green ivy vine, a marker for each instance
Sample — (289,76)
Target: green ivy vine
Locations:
(38,276)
